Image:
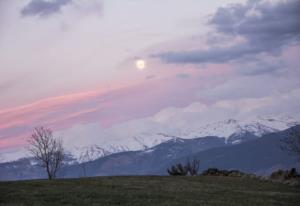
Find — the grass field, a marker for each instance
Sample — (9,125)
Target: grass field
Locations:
(148,191)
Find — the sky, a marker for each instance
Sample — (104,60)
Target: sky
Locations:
(71,65)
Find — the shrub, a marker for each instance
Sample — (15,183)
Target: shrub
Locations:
(191,168)
(217,172)
(178,170)
(284,174)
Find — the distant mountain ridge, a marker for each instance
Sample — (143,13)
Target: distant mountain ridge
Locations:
(232,130)
(260,155)
(258,126)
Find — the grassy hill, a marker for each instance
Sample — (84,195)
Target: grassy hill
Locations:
(148,191)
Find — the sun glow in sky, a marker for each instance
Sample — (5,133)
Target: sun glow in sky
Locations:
(69,64)
(140,64)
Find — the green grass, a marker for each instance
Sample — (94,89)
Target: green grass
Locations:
(148,191)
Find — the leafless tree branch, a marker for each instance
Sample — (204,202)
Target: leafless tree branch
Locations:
(47,150)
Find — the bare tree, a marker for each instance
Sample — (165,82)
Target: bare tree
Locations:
(193,166)
(47,150)
(291,143)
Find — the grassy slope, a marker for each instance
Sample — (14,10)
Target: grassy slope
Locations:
(148,191)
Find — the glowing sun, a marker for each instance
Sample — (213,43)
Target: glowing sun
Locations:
(140,64)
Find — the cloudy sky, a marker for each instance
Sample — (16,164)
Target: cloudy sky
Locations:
(71,65)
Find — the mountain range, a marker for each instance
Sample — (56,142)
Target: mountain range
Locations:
(243,151)
(232,130)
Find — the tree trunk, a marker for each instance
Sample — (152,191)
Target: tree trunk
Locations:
(49,173)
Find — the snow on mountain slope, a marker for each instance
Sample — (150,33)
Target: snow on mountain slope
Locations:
(89,143)
(142,142)
(92,152)
(231,128)
(258,127)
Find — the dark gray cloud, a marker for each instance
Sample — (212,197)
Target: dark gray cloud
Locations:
(183,75)
(6,85)
(247,87)
(150,76)
(212,55)
(259,67)
(43,7)
(266,27)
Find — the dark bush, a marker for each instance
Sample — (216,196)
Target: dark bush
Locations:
(191,168)
(285,174)
(217,172)
(178,170)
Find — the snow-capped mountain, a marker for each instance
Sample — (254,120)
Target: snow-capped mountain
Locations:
(90,153)
(146,133)
(143,142)
(211,151)
(258,127)
(234,131)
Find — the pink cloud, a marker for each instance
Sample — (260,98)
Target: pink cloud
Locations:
(106,107)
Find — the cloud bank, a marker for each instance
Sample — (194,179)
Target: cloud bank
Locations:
(258,27)
(247,65)
(44,7)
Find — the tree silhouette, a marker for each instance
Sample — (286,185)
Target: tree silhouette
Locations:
(47,150)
